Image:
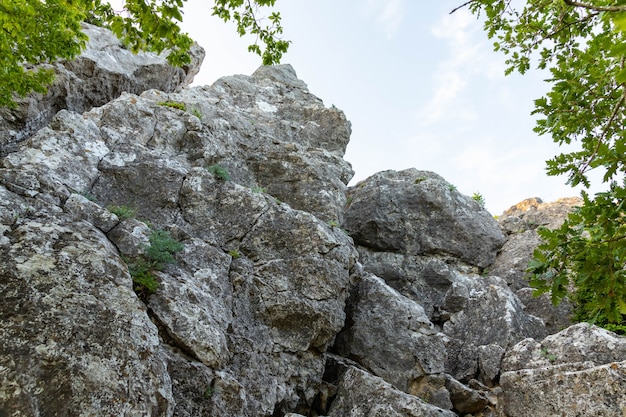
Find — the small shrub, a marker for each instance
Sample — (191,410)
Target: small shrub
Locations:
(235,254)
(160,252)
(162,248)
(219,172)
(197,113)
(173,104)
(420,179)
(478,197)
(451,187)
(123,212)
(333,223)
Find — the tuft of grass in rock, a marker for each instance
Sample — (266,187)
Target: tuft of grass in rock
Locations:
(173,104)
(219,172)
(123,212)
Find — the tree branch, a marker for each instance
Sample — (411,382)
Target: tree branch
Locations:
(461,6)
(596,8)
(582,168)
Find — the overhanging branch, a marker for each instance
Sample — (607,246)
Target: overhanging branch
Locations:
(594,7)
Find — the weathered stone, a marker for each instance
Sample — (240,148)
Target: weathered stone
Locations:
(512,260)
(577,372)
(489,362)
(566,390)
(464,399)
(89,347)
(258,293)
(390,335)
(432,390)
(99,74)
(84,209)
(555,318)
(130,237)
(520,223)
(361,394)
(194,303)
(471,310)
(533,212)
(417,212)
(493,315)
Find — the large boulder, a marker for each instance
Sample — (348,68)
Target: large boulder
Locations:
(444,320)
(99,74)
(418,213)
(579,371)
(292,149)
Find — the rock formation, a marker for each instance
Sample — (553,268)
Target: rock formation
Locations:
(101,73)
(292,295)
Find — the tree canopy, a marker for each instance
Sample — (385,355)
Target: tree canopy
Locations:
(38,32)
(583,46)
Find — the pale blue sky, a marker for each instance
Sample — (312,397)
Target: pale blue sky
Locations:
(422,89)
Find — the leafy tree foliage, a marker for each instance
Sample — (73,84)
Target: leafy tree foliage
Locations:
(583,45)
(38,32)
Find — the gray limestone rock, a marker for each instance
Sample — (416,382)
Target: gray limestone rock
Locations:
(361,394)
(464,399)
(390,335)
(493,315)
(101,73)
(579,371)
(74,338)
(519,223)
(256,296)
(418,213)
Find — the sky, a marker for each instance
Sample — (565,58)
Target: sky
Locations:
(421,87)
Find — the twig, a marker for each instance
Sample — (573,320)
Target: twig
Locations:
(596,8)
(461,6)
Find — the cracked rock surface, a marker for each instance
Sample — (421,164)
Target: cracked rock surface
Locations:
(293,295)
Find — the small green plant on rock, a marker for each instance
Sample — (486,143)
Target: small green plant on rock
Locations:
(549,356)
(208,392)
(123,212)
(478,197)
(88,195)
(173,104)
(420,179)
(219,172)
(159,253)
(257,189)
(197,113)
(235,254)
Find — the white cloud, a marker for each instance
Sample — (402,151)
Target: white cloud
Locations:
(388,14)
(467,58)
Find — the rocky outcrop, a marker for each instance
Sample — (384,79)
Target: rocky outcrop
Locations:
(416,213)
(103,71)
(239,325)
(520,223)
(291,295)
(580,371)
(431,243)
